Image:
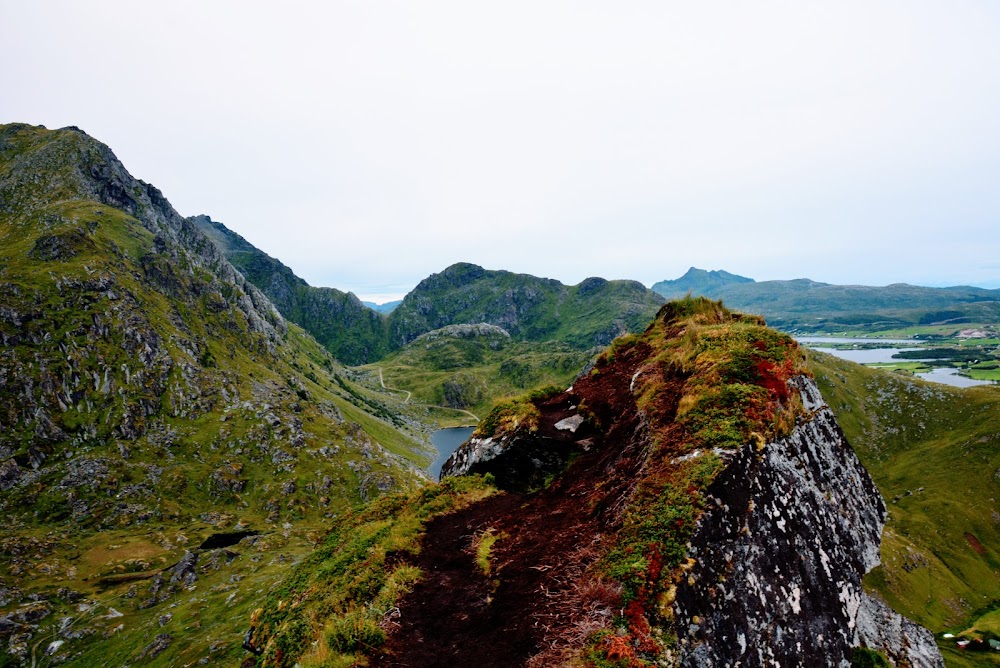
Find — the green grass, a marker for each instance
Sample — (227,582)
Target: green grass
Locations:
(473,374)
(329,607)
(987,622)
(980,373)
(934,452)
(912,367)
(189,417)
(484,548)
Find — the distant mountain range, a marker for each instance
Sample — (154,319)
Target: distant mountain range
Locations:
(383,308)
(805,304)
(529,308)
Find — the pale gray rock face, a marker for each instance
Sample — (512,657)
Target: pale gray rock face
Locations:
(10,474)
(779,555)
(570,424)
(518,462)
(469,454)
(879,626)
(470,331)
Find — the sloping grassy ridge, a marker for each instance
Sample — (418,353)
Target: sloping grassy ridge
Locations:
(335,606)
(150,397)
(934,453)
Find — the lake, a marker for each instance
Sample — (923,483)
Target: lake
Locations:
(868,356)
(950,376)
(882,355)
(946,375)
(446,441)
(844,339)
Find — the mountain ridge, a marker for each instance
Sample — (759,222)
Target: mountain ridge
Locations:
(150,398)
(352,332)
(622,511)
(807,304)
(531,308)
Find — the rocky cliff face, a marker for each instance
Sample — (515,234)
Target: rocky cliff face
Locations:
(778,556)
(769,573)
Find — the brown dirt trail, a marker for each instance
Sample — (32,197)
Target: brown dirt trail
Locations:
(541,595)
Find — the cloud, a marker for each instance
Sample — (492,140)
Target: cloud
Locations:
(370,144)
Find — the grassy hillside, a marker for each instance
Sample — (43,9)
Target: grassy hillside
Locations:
(529,308)
(149,398)
(934,452)
(578,540)
(347,328)
(471,367)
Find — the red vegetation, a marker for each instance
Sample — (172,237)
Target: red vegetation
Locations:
(774,377)
(619,648)
(545,596)
(635,611)
(974,543)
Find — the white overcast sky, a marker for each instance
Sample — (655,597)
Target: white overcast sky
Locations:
(368,144)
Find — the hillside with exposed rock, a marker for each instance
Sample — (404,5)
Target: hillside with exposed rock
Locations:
(150,397)
(690,501)
(351,331)
(527,307)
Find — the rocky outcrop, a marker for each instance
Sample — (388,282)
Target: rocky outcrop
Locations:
(773,569)
(898,638)
(516,462)
(776,561)
(478,330)
(521,459)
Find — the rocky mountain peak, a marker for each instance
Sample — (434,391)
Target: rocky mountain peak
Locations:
(689,501)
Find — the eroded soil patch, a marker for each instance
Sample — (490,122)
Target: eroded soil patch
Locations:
(541,597)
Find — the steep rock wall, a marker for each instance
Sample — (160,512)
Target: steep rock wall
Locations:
(777,559)
(774,569)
